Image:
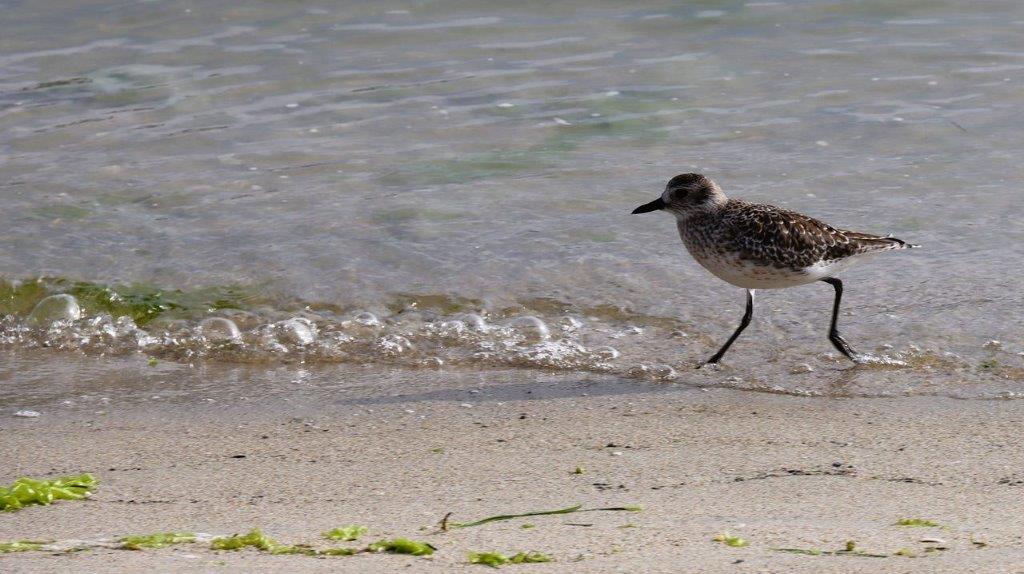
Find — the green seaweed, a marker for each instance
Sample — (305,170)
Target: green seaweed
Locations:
(345,533)
(850,549)
(917,523)
(336,552)
(733,541)
(567,510)
(26,491)
(805,551)
(402,546)
(20,546)
(905,552)
(158,540)
(497,559)
(570,509)
(530,558)
(255,538)
(492,559)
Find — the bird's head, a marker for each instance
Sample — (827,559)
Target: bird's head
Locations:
(685,194)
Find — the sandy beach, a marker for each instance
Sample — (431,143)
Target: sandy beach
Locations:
(778,471)
(296,266)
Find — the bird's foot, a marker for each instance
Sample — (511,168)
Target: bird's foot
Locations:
(843,347)
(711,365)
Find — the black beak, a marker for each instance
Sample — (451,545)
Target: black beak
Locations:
(648,207)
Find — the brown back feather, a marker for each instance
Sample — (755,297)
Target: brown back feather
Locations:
(772,236)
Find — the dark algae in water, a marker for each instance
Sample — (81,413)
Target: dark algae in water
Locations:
(141,302)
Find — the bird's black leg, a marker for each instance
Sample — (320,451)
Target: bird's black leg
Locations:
(833,333)
(743,325)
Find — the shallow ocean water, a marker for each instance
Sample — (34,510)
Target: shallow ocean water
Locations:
(446,187)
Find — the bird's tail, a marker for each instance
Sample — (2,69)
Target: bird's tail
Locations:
(900,244)
(877,243)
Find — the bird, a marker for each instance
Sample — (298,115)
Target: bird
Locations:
(759,246)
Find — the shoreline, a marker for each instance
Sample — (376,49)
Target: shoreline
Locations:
(779,471)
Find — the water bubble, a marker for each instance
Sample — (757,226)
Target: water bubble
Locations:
(219,329)
(531,328)
(335,338)
(630,330)
(571,324)
(474,322)
(55,308)
(432,362)
(367,319)
(173,327)
(452,329)
(801,369)
(653,372)
(606,352)
(103,325)
(297,331)
(393,345)
(245,320)
(563,354)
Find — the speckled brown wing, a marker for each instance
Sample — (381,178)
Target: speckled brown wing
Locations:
(770,236)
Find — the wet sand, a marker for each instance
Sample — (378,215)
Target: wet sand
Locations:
(778,471)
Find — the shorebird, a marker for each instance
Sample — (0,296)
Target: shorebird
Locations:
(756,246)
